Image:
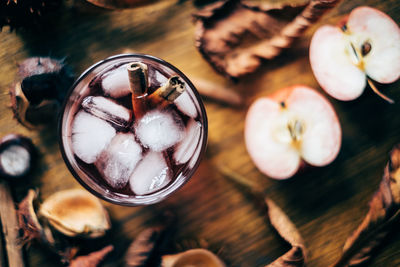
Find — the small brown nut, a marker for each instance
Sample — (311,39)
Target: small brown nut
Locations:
(39,89)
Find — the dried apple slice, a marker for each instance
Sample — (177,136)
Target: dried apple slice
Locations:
(368,45)
(297,124)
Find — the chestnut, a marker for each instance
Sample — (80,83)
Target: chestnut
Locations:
(17,154)
(40,87)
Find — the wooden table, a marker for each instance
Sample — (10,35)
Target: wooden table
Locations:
(326,204)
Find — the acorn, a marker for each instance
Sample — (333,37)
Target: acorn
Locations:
(27,13)
(17,155)
(39,90)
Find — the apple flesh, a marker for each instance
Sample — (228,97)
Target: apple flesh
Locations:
(366,47)
(294,126)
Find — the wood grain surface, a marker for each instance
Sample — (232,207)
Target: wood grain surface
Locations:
(326,204)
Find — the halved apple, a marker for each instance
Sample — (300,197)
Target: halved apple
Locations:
(295,125)
(366,47)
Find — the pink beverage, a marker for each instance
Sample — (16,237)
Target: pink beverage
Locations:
(133,129)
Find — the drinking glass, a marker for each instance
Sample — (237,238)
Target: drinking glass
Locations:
(86,174)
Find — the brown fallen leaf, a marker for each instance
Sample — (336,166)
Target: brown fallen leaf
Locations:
(235,36)
(384,211)
(93,259)
(141,249)
(33,229)
(296,256)
(288,231)
(28,221)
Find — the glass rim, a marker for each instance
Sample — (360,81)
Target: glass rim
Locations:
(152,198)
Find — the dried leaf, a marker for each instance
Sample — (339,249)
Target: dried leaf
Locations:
(235,36)
(384,211)
(93,259)
(29,223)
(27,219)
(35,229)
(288,231)
(296,256)
(143,247)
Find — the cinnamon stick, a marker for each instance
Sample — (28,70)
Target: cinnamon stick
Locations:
(167,93)
(2,256)
(138,78)
(172,89)
(138,82)
(9,222)
(217,92)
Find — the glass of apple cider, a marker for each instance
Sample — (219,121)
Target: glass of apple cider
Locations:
(133,129)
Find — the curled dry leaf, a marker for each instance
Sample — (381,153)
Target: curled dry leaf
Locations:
(288,231)
(29,223)
(93,259)
(32,229)
(296,256)
(143,247)
(75,212)
(235,36)
(192,257)
(384,211)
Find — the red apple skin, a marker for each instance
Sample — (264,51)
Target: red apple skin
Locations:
(343,21)
(281,96)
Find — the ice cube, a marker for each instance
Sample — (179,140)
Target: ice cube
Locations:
(116,83)
(117,162)
(90,135)
(186,105)
(159,130)
(160,78)
(107,110)
(185,149)
(150,175)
